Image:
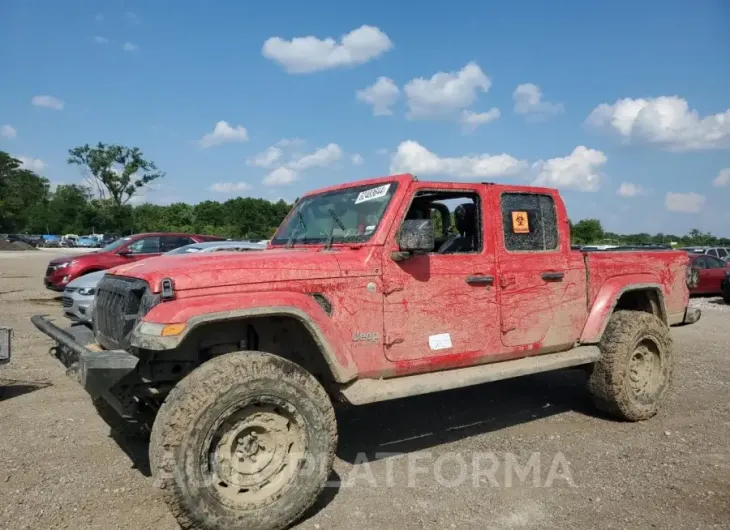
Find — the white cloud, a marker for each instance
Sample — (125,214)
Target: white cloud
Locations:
(224,133)
(290,142)
(472,120)
(579,171)
(99,17)
(281,176)
(33,164)
(445,92)
(382,151)
(303,55)
(130,47)
(288,172)
(629,190)
(322,157)
(100,40)
(528,100)
(722,179)
(381,95)
(666,121)
(684,202)
(132,17)
(48,102)
(357,160)
(7,131)
(267,158)
(230,187)
(412,157)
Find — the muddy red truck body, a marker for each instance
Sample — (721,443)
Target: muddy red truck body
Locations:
(376,290)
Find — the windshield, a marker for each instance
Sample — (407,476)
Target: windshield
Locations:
(351,215)
(113,246)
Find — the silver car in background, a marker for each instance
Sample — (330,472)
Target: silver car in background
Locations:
(78,296)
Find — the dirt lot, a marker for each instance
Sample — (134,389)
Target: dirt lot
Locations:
(59,468)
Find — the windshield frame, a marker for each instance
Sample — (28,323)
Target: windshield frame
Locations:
(280,239)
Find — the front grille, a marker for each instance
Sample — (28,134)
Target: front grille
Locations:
(66,301)
(49,271)
(120,302)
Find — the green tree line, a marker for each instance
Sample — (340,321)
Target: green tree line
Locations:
(28,205)
(590,232)
(116,174)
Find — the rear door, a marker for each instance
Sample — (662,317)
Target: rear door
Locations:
(168,243)
(541,281)
(712,275)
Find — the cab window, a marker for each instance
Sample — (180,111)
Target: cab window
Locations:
(456,218)
(530,222)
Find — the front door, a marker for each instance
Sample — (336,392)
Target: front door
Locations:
(143,248)
(440,308)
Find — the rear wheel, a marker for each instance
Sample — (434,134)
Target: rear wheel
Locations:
(635,369)
(247,440)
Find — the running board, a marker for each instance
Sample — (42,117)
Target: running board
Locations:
(371,390)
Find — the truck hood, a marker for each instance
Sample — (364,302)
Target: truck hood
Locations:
(216,269)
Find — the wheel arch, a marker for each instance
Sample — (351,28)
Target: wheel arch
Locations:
(644,295)
(236,322)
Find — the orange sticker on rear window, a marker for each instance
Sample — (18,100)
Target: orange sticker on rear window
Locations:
(520,224)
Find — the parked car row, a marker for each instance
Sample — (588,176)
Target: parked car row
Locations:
(722,253)
(78,295)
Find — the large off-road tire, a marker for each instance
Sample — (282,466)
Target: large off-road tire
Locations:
(726,292)
(635,369)
(247,440)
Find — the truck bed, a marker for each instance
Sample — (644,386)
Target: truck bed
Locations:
(663,267)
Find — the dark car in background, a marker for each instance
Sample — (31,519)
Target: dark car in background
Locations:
(61,271)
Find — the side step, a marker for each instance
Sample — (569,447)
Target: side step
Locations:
(371,390)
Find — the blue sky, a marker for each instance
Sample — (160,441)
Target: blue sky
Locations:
(591,98)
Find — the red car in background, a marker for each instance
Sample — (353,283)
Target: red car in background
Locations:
(60,271)
(711,273)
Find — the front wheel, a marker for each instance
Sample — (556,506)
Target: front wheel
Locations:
(635,369)
(247,440)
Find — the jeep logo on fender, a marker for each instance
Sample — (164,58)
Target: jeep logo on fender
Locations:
(359,337)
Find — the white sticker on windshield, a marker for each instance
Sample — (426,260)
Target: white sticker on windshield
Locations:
(372,193)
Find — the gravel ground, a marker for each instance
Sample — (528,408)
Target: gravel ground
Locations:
(59,468)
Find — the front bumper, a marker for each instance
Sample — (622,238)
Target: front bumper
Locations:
(98,371)
(52,286)
(77,307)
(691,315)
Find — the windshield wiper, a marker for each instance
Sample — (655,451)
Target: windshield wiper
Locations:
(300,222)
(335,222)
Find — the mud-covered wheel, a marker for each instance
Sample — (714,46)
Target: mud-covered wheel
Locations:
(246,440)
(635,369)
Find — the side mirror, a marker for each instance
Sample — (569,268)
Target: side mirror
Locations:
(124,253)
(416,236)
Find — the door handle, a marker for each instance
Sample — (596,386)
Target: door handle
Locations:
(480,280)
(552,276)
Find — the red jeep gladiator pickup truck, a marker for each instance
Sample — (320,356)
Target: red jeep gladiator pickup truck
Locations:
(369,291)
